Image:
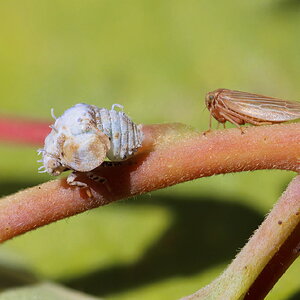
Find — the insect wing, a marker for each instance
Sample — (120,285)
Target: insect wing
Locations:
(260,107)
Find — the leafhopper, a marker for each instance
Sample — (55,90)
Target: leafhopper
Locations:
(241,107)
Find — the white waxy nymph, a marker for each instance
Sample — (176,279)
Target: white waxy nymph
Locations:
(85,135)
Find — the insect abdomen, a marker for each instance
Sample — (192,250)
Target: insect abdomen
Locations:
(125,136)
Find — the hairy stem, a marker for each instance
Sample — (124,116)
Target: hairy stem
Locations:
(172,153)
(263,260)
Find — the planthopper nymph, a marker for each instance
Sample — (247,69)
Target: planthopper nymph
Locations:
(85,135)
(241,107)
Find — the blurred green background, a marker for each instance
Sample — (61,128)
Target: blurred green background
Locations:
(158,59)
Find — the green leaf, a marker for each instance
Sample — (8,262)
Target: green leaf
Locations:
(44,291)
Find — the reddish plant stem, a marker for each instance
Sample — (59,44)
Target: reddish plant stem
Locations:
(266,256)
(276,267)
(23,131)
(171,154)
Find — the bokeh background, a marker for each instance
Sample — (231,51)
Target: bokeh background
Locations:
(158,59)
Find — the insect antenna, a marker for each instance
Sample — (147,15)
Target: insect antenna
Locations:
(203,108)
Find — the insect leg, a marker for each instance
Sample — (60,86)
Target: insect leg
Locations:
(128,162)
(249,120)
(71,180)
(210,120)
(210,123)
(93,176)
(254,122)
(231,119)
(112,163)
(244,119)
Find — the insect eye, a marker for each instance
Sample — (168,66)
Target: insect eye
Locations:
(211,97)
(53,164)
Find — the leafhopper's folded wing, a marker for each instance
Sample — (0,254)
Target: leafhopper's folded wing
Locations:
(260,107)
